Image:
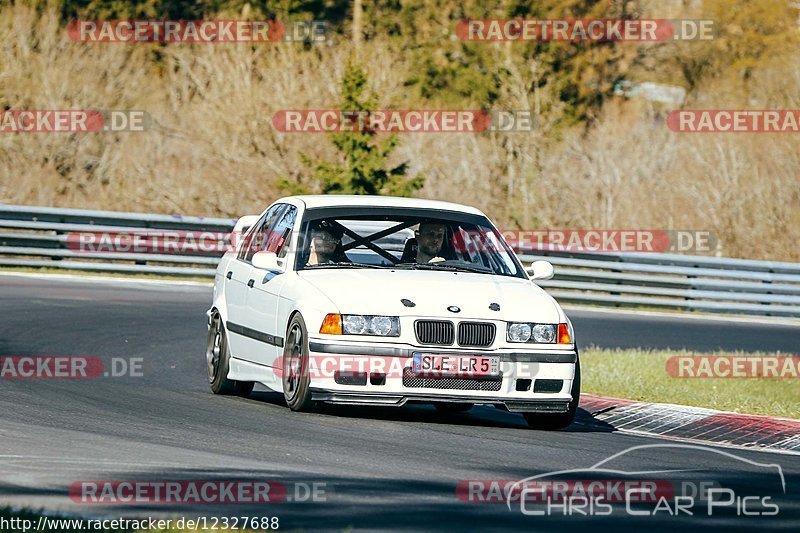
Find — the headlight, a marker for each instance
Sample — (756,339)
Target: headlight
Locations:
(544,333)
(538,333)
(382,326)
(519,332)
(354,324)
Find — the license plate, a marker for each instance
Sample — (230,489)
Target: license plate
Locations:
(436,365)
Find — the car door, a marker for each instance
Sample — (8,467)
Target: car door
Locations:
(237,285)
(262,299)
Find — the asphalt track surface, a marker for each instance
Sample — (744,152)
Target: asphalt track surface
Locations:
(382,469)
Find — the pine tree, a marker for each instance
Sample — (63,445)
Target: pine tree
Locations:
(362,167)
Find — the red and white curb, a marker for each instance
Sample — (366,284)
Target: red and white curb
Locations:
(695,424)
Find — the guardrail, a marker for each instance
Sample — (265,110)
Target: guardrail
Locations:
(41,237)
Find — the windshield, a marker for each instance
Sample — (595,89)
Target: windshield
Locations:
(411,239)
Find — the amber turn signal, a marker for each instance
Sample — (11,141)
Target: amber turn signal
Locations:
(563,334)
(332,324)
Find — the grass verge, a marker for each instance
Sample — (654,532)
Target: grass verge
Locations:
(641,375)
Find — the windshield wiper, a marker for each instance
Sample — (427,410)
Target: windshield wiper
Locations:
(342,264)
(437,266)
(476,270)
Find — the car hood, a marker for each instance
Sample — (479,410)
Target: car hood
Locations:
(367,291)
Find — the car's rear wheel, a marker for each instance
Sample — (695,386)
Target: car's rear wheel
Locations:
(296,378)
(450,408)
(218,356)
(560,420)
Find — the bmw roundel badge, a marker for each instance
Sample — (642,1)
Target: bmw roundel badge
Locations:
(454,309)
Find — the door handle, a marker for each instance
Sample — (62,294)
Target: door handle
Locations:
(230,274)
(250,283)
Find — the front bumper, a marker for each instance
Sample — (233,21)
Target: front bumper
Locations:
(398,400)
(381,375)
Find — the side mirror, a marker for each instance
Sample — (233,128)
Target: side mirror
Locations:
(267,261)
(244,223)
(238,231)
(541,270)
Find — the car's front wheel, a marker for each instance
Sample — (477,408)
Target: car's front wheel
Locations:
(296,379)
(560,420)
(218,357)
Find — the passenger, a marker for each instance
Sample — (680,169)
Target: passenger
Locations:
(430,239)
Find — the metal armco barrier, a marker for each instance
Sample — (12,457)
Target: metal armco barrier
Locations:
(40,237)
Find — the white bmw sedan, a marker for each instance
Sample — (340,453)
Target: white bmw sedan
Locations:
(368,300)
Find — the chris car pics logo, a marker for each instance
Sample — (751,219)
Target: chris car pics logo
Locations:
(604,489)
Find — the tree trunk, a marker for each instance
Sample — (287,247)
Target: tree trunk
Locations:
(357,12)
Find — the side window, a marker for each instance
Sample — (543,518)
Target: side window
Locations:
(244,245)
(280,234)
(257,238)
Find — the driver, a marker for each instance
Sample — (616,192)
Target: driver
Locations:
(430,238)
(326,244)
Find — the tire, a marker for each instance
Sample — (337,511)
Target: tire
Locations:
(296,378)
(218,357)
(560,420)
(449,408)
